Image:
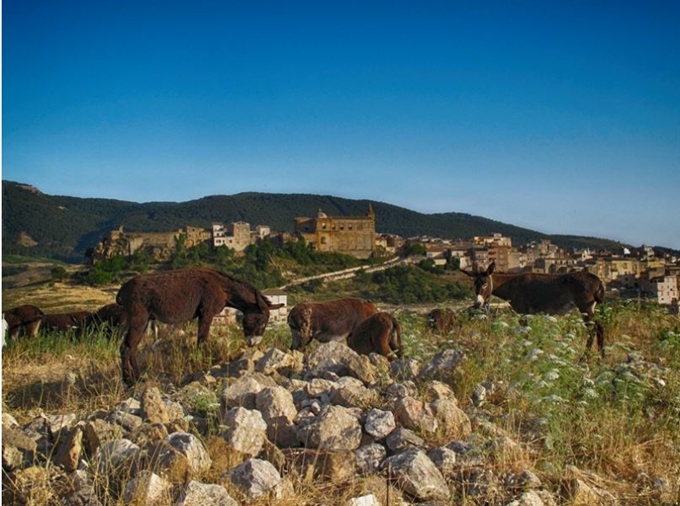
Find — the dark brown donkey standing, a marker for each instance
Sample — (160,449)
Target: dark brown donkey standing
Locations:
(181,295)
(555,294)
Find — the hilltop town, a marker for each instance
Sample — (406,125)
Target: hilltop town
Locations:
(636,272)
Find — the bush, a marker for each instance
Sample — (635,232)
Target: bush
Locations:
(58,273)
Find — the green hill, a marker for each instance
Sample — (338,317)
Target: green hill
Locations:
(39,225)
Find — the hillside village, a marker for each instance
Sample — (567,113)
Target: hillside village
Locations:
(631,273)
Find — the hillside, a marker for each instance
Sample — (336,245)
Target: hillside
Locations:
(60,227)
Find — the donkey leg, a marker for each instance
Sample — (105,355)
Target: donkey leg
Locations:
(396,344)
(128,350)
(594,329)
(381,344)
(600,337)
(32,328)
(589,343)
(204,322)
(296,339)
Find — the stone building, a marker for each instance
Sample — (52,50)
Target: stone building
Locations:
(119,242)
(664,289)
(352,235)
(196,235)
(236,235)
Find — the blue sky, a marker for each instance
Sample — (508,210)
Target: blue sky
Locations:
(559,116)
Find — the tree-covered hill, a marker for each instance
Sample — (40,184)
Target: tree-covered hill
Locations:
(62,227)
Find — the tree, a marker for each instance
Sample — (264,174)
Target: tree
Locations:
(416,249)
(107,271)
(58,273)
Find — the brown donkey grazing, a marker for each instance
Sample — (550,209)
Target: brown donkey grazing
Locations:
(109,319)
(182,295)
(379,333)
(327,321)
(555,294)
(64,322)
(441,320)
(24,318)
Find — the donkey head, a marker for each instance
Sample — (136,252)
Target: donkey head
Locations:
(483,285)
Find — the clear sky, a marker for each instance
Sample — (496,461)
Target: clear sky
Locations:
(559,116)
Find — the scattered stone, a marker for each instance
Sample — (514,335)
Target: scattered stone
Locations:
(278,411)
(30,486)
(98,431)
(115,456)
(152,406)
(580,489)
(255,477)
(149,489)
(453,422)
(369,458)
(246,430)
(379,424)
(442,367)
(69,449)
(336,428)
(275,360)
(57,423)
(417,475)
(365,500)
(18,449)
(445,460)
(195,493)
(415,415)
(181,455)
(529,498)
(401,439)
(405,369)
(337,466)
(243,391)
(330,357)
(348,413)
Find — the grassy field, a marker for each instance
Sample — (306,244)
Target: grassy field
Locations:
(617,418)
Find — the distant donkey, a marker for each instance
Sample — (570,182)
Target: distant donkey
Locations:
(555,294)
(442,320)
(64,322)
(26,319)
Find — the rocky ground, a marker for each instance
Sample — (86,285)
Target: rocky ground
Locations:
(331,427)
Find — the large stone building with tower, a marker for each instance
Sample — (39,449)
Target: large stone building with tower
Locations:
(352,235)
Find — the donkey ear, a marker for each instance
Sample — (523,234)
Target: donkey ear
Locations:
(490,269)
(467,273)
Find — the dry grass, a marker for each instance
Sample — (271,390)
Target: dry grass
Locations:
(617,419)
(60,297)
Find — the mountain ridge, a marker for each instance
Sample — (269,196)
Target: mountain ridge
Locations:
(65,227)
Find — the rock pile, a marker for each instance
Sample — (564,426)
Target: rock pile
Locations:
(281,418)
